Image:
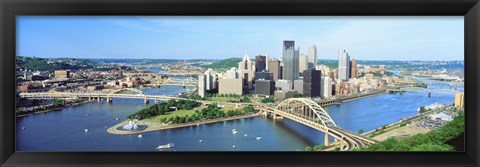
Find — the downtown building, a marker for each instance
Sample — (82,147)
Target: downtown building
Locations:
(343,65)
(290,61)
(312,56)
(326,90)
(207,82)
(275,69)
(231,83)
(312,83)
(264,87)
(353,69)
(302,63)
(247,72)
(260,63)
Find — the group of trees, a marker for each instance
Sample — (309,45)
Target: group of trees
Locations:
(164,107)
(315,148)
(243,99)
(297,95)
(431,141)
(211,112)
(268,100)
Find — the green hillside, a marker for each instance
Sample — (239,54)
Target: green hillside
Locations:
(223,64)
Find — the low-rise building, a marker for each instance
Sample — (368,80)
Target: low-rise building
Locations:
(282,95)
(230,86)
(283,85)
(264,87)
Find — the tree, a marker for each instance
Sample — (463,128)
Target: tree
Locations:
(308,148)
(248,109)
(360,131)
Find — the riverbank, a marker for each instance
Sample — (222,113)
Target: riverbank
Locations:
(54,109)
(153,126)
(409,129)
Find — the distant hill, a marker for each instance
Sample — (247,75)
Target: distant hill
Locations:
(223,64)
(45,64)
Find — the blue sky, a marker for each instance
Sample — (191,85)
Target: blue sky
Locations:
(216,37)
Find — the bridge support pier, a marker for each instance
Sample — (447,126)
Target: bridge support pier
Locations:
(98,99)
(429,94)
(327,139)
(109,99)
(145,100)
(156,100)
(277,117)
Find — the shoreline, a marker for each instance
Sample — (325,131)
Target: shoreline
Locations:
(53,109)
(393,129)
(153,126)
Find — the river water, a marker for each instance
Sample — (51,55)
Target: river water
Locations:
(63,130)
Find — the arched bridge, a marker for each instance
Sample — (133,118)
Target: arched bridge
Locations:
(309,113)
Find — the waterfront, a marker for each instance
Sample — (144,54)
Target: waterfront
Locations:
(64,130)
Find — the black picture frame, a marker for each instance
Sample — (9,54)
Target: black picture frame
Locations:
(470,9)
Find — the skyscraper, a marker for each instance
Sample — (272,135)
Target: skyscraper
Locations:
(343,65)
(201,85)
(302,63)
(290,61)
(260,63)
(312,82)
(312,56)
(353,67)
(274,67)
(247,71)
(326,87)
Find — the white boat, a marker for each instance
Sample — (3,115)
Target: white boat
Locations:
(200,141)
(234,131)
(23,128)
(116,119)
(233,146)
(259,138)
(245,135)
(86,130)
(140,136)
(169,145)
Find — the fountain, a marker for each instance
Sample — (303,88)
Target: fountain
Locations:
(131,126)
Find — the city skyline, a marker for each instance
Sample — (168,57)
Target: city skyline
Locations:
(128,37)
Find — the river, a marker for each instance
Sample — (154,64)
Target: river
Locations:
(63,130)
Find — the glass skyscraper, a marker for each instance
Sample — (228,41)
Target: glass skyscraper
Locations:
(290,61)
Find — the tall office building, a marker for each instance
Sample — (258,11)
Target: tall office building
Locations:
(260,63)
(274,67)
(302,63)
(353,67)
(201,85)
(312,83)
(247,71)
(290,61)
(326,91)
(312,56)
(343,65)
